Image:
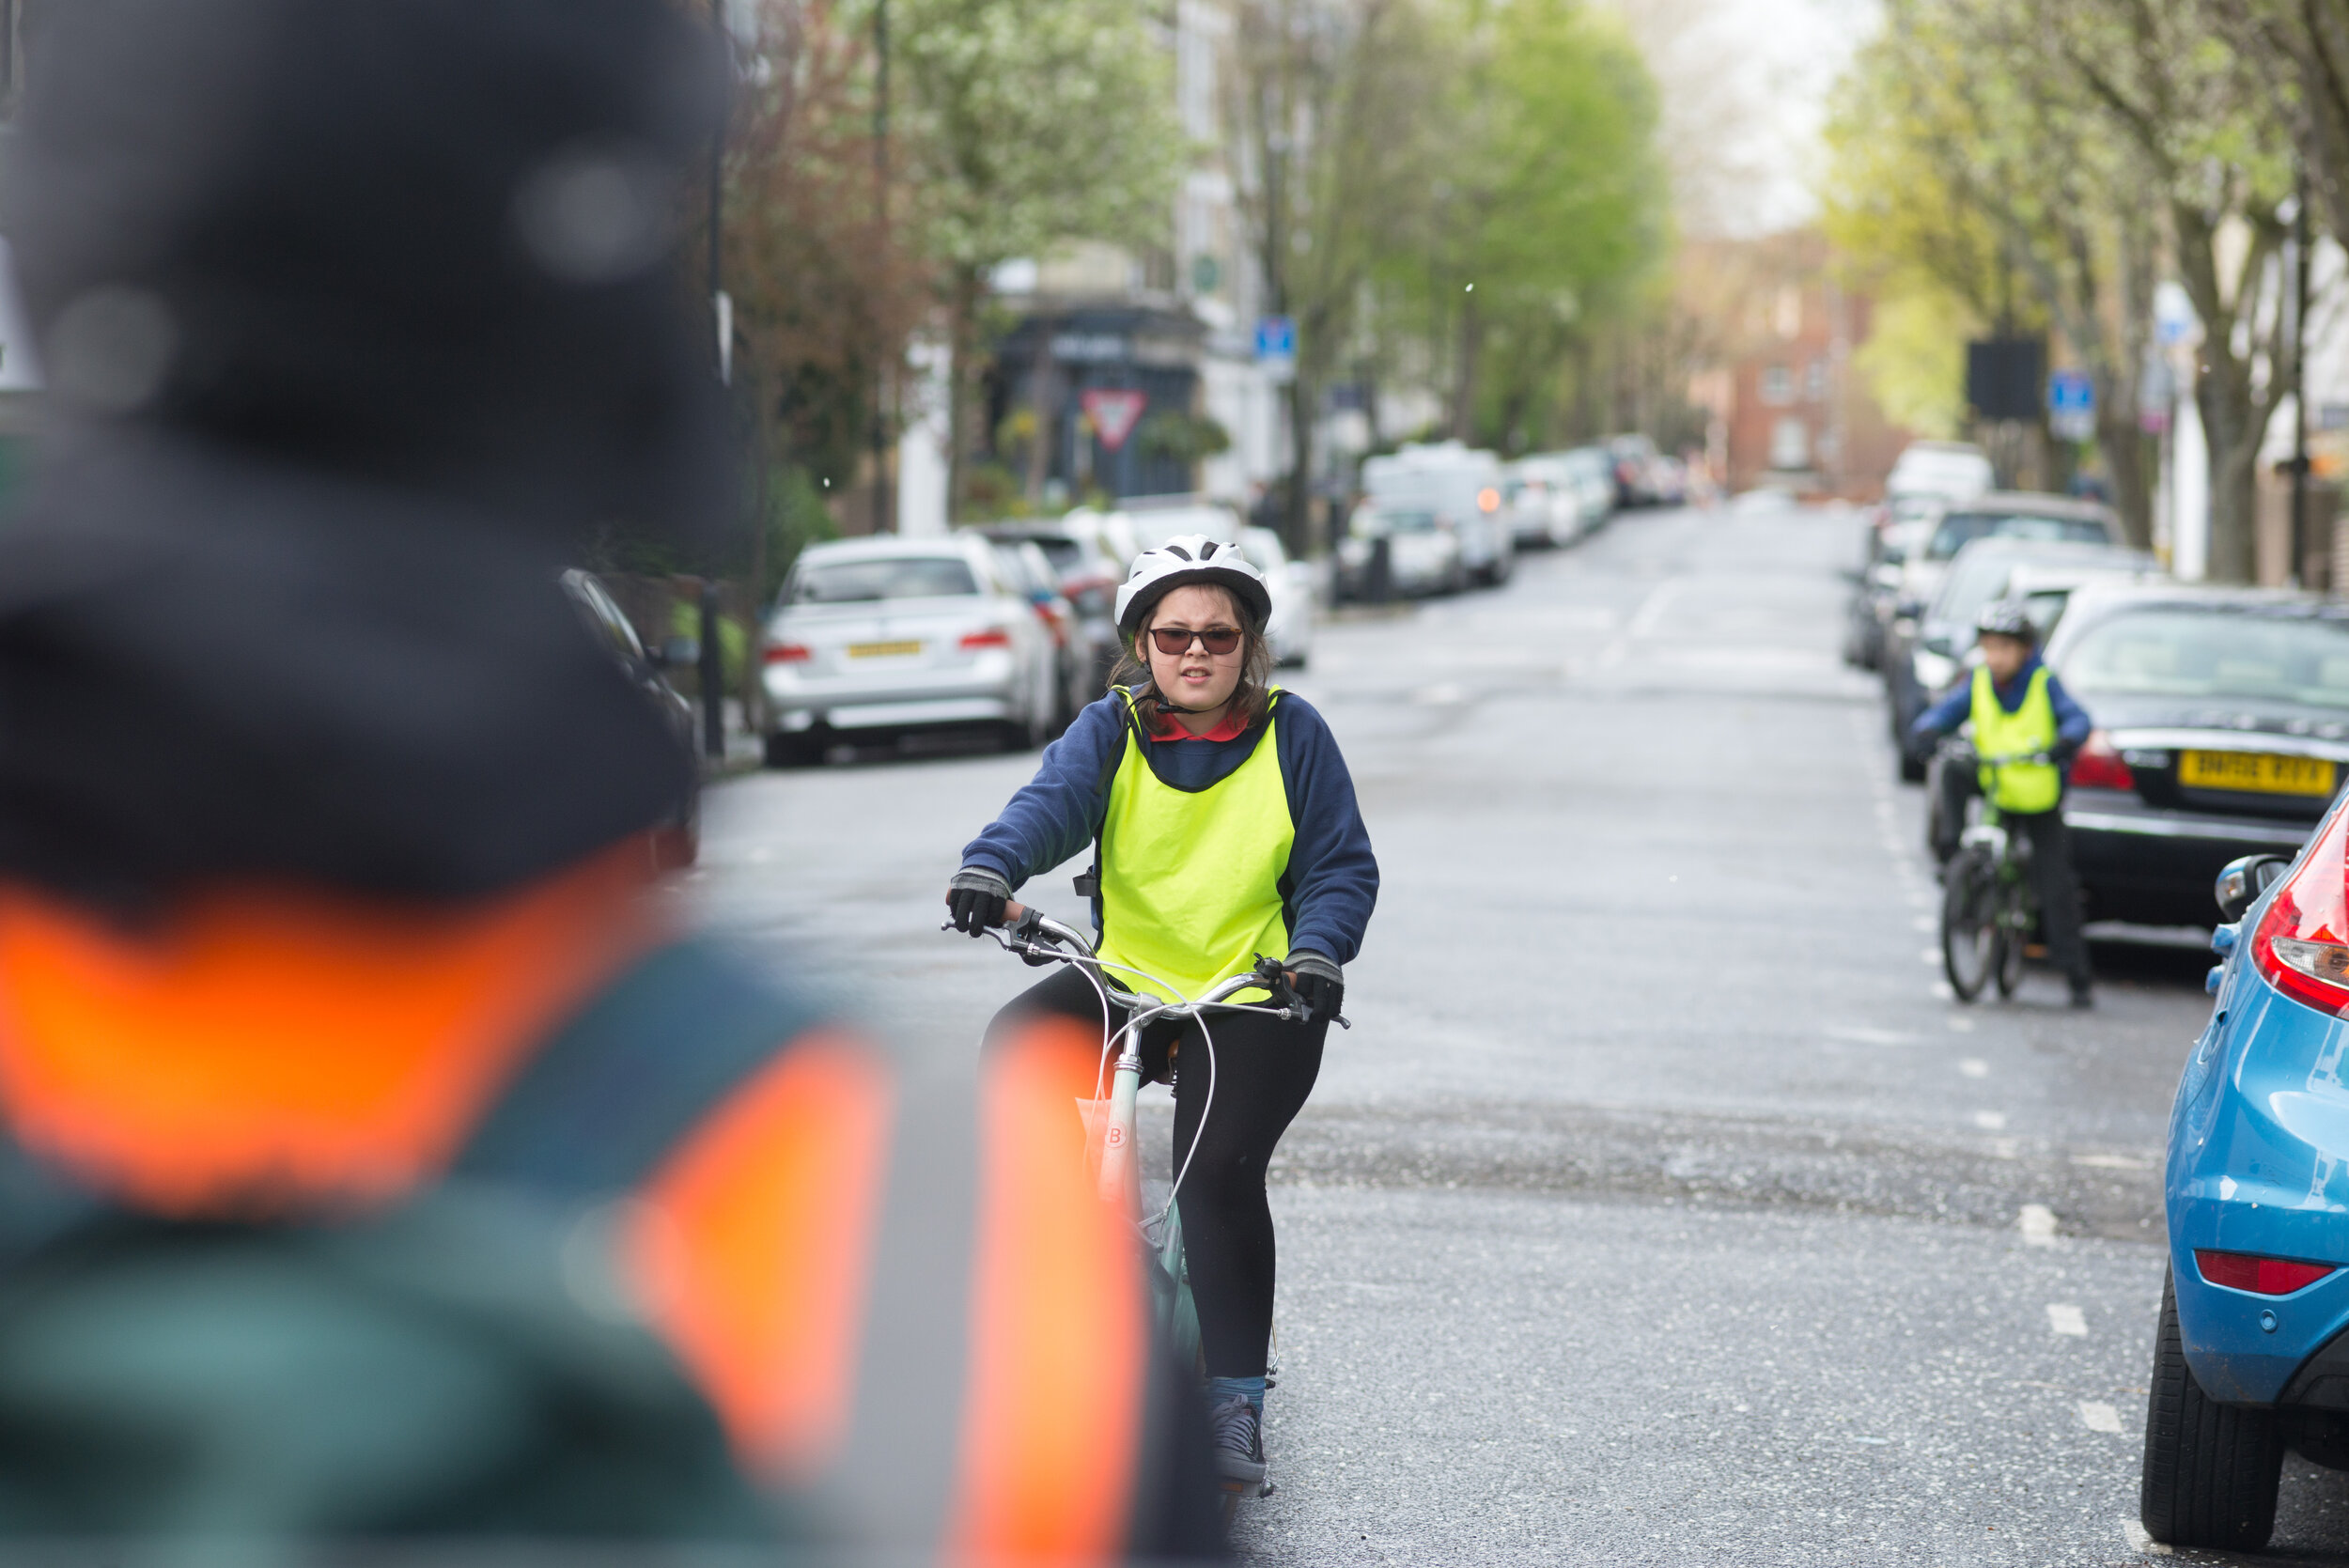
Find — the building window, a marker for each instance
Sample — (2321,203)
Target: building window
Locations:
(1778,385)
(1815,382)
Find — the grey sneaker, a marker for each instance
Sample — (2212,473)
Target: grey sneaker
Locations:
(1238,1436)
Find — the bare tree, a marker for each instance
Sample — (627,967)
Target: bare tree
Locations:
(1329,105)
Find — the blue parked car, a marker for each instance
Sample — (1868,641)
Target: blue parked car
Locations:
(2252,1354)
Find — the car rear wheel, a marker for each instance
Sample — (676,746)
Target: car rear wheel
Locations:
(792,751)
(2211,1470)
(1970,937)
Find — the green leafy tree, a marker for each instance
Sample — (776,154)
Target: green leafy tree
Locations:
(1026,124)
(1331,109)
(2041,161)
(1559,213)
(1943,187)
(2210,137)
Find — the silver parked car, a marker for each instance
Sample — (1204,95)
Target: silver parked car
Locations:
(873,638)
(1423,552)
(1292,585)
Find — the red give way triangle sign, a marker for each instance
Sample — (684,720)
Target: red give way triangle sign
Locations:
(1114,415)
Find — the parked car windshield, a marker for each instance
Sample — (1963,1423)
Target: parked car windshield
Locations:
(1369,524)
(887,577)
(1063,552)
(1960,529)
(2176,652)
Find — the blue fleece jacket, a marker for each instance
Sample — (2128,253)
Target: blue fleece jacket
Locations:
(1332,879)
(2072,722)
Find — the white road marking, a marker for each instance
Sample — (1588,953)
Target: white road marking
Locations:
(1960,1023)
(2134,1533)
(1941,990)
(1864,1035)
(1930,955)
(2006,1148)
(2037,1222)
(1652,608)
(2099,1417)
(2064,1318)
(1974,1066)
(2112,1162)
(1990,1121)
(1438,694)
(1925,923)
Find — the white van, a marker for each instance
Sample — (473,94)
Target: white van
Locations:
(1463,486)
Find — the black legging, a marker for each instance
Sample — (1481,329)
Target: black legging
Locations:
(2055,883)
(1264,1069)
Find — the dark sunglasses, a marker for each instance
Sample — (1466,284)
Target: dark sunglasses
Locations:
(1219,640)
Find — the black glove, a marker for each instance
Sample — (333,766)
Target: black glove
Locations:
(1319,985)
(976,900)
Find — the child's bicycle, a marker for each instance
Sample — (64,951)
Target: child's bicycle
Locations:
(1109,1115)
(1987,905)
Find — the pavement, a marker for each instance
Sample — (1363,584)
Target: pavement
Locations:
(1661,1206)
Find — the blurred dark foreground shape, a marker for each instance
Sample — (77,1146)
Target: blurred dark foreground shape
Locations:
(384,1174)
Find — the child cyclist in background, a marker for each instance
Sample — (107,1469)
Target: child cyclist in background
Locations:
(2018,709)
(1225,827)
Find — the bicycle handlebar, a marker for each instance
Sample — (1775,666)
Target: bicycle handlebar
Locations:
(1959,748)
(1035,937)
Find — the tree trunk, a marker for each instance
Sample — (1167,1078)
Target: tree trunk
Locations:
(1464,372)
(2232,431)
(2125,452)
(1297,518)
(962,348)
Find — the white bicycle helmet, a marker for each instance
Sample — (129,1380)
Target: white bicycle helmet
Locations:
(2006,617)
(1182,561)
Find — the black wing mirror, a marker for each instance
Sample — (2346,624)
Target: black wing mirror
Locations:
(2242,881)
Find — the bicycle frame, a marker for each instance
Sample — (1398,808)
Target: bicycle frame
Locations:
(1035,936)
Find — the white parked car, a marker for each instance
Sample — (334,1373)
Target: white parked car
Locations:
(1541,499)
(1291,629)
(1422,551)
(873,638)
(1939,470)
(1458,485)
(1151,520)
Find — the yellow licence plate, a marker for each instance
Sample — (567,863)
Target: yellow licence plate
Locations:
(884,650)
(2256,773)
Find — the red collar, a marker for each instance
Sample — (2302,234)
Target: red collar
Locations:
(1231,727)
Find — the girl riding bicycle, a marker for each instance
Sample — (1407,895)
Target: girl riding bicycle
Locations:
(1224,827)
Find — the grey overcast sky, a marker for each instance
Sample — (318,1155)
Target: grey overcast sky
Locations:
(1744,83)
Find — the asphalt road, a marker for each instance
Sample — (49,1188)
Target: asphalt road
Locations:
(1660,1207)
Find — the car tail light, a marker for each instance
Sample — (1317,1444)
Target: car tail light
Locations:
(2099,766)
(1051,617)
(2260,1276)
(993,637)
(2302,944)
(786,653)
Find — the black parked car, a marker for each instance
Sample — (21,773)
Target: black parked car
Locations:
(2222,729)
(676,842)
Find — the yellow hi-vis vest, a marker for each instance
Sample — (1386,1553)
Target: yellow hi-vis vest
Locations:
(2032,786)
(1190,881)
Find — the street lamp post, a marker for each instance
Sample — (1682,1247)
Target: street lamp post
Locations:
(2300,375)
(711,669)
(882,523)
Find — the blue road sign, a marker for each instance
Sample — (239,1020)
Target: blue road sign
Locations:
(2071,405)
(1276,337)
